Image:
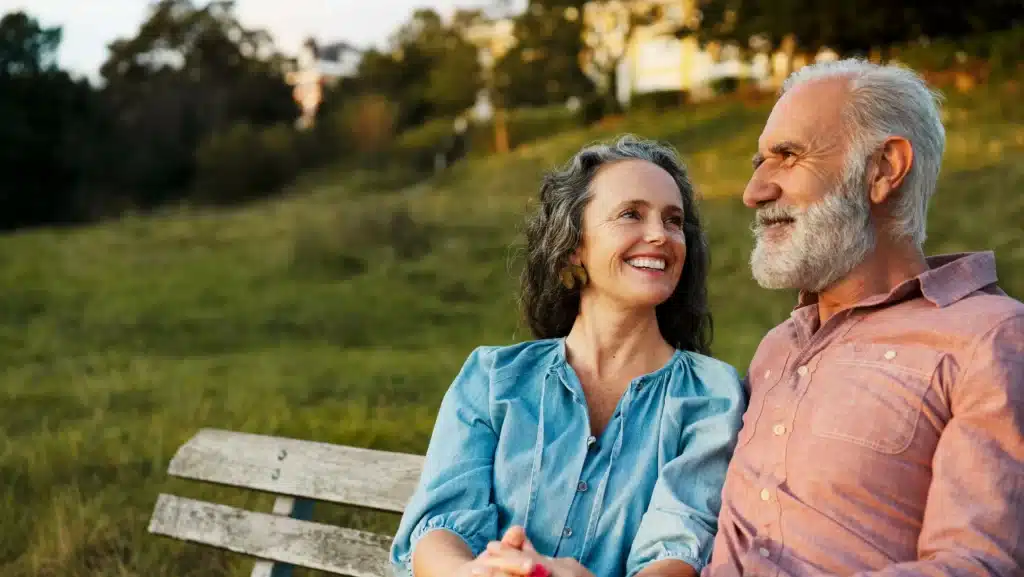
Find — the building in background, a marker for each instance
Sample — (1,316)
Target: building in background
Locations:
(650,58)
(319,67)
(493,38)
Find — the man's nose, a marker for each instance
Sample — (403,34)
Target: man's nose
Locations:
(759,191)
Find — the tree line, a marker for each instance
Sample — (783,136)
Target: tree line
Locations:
(195,107)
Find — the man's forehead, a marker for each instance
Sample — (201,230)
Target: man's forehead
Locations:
(806,113)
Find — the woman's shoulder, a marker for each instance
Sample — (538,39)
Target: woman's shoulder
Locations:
(711,374)
(508,360)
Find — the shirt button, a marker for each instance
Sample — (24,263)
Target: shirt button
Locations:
(779,430)
(581,486)
(765,494)
(591,440)
(567,532)
(764,552)
(890,355)
(802,370)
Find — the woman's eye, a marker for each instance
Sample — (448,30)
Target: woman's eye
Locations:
(676,221)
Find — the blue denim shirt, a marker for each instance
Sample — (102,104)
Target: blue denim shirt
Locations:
(512,445)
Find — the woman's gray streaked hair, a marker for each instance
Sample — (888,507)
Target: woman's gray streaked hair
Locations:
(889,101)
(555,230)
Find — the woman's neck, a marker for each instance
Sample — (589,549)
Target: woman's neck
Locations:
(608,341)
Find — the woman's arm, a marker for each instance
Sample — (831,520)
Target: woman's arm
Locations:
(440,554)
(668,568)
(450,518)
(682,517)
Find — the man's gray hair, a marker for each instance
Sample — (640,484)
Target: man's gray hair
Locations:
(889,101)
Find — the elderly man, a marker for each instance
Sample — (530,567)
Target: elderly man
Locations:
(885,432)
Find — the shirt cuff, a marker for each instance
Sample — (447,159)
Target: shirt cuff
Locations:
(477,543)
(697,564)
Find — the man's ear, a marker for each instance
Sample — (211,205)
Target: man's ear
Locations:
(893,161)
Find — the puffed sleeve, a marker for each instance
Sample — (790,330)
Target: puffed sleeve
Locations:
(682,517)
(454,491)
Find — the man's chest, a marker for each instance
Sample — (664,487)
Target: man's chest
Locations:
(842,424)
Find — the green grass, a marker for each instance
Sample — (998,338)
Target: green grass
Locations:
(339,313)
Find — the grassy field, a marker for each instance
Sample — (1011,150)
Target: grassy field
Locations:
(340,314)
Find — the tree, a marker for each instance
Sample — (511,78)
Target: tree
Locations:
(428,71)
(187,73)
(854,26)
(42,109)
(543,67)
(27,49)
(608,28)
(455,75)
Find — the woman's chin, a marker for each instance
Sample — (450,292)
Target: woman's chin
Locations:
(648,297)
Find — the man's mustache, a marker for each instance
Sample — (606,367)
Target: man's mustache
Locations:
(773,213)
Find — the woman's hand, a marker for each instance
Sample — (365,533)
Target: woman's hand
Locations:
(483,566)
(515,555)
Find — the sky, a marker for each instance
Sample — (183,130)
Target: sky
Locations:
(90,25)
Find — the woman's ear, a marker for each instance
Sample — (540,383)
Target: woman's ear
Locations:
(576,257)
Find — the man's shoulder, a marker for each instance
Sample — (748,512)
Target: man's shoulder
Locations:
(995,324)
(967,324)
(986,309)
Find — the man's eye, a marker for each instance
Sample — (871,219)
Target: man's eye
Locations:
(630,213)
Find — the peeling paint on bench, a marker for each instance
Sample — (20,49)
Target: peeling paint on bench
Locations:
(320,471)
(273,537)
(299,473)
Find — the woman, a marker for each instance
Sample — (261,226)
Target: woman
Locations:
(600,447)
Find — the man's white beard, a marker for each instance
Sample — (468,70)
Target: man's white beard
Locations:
(826,240)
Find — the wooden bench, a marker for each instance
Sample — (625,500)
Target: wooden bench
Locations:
(299,473)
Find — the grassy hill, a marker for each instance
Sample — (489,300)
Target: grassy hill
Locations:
(340,313)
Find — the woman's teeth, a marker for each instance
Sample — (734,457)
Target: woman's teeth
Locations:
(647,263)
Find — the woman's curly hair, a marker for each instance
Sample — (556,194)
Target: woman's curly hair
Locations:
(555,230)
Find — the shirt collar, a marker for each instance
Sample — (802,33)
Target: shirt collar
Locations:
(949,278)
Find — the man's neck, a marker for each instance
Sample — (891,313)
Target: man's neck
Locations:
(888,266)
(611,341)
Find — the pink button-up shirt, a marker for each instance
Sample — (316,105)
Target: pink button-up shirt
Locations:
(888,441)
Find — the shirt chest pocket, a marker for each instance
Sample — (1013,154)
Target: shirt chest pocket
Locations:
(872,395)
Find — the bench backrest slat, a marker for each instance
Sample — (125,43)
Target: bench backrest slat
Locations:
(324,472)
(274,537)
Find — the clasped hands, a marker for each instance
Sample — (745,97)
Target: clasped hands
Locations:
(514,556)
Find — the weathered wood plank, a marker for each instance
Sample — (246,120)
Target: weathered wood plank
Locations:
(273,537)
(321,471)
(301,509)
